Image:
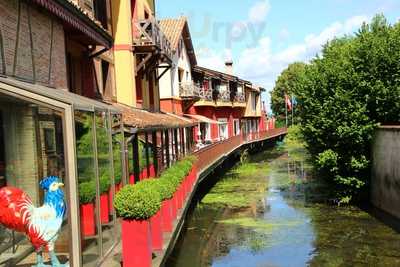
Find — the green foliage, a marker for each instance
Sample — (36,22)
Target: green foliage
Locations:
(137,202)
(105,183)
(87,192)
(286,84)
(149,193)
(342,96)
(168,187)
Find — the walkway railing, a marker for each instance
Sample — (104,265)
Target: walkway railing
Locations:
(211,154)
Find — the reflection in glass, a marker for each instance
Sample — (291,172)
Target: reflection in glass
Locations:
(31,148)
(105,177)
(87,187)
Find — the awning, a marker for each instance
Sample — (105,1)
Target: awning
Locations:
(203,119)
(145,120)
(78,102)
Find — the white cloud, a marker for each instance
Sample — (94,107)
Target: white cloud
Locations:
(262,66)
(259,11)
(284,34)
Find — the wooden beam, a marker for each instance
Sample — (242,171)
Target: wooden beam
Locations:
(135,157)
(146,140)
(155,152)
(167,148)
(176,144)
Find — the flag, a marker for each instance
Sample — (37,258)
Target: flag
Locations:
(288,102)
(294,100)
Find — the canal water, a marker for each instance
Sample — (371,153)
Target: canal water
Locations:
(272,211)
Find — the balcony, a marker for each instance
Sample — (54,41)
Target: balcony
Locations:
(151,43)
(189,90)
(239,100)
(224,99)
(206,98)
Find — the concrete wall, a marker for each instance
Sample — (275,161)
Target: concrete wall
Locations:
(385,185)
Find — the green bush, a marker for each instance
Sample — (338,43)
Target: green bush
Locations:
(143,200)
(105,183)
(137,202)
(343,95)
(165,188)
(168,188)
(87,192)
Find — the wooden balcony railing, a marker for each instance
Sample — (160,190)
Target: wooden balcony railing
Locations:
(210,154)
(189,90)
(206,94)
(239,97)
(150,34)
(224,96)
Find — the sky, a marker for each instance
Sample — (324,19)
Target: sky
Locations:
(263,37)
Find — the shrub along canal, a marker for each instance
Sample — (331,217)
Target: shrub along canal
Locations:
(270,211)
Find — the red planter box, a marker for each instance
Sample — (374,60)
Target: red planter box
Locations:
(104,209)
(136,244)
(166,216)
(152,171)
(87,220)
(156,232)
(174,206)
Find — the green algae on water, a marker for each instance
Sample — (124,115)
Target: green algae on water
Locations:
(260,225)
(240,187)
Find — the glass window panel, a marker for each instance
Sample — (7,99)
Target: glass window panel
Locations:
(103,131)
(31,140)
(87,187)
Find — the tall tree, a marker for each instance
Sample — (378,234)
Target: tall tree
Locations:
(286,84)
(344,94)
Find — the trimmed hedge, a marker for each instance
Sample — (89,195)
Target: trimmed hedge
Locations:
(87,192)
(142,200)
(105,183)
(137,202)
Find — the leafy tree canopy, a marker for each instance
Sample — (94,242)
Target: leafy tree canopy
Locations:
(343,95)
(285,84)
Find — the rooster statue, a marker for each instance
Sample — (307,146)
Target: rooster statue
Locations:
(41,225)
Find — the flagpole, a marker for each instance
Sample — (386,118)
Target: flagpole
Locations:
(292,111)
(286,111)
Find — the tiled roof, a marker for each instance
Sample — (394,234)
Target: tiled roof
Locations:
(172,28)
(144,120)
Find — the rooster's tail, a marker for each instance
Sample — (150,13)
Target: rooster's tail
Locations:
(14,208)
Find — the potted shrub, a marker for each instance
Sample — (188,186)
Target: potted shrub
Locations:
(156,220)
(175,183)
(136,205)
(87,195)
(104,202)
(117,186)
(167,192)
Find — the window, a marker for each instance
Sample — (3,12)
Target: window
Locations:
(253,102)
(236,127)
(223,128)
(24,161)
(180,75)
(96,181)
(206,84)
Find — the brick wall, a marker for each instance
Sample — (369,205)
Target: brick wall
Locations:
(20,149)
(33,44)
